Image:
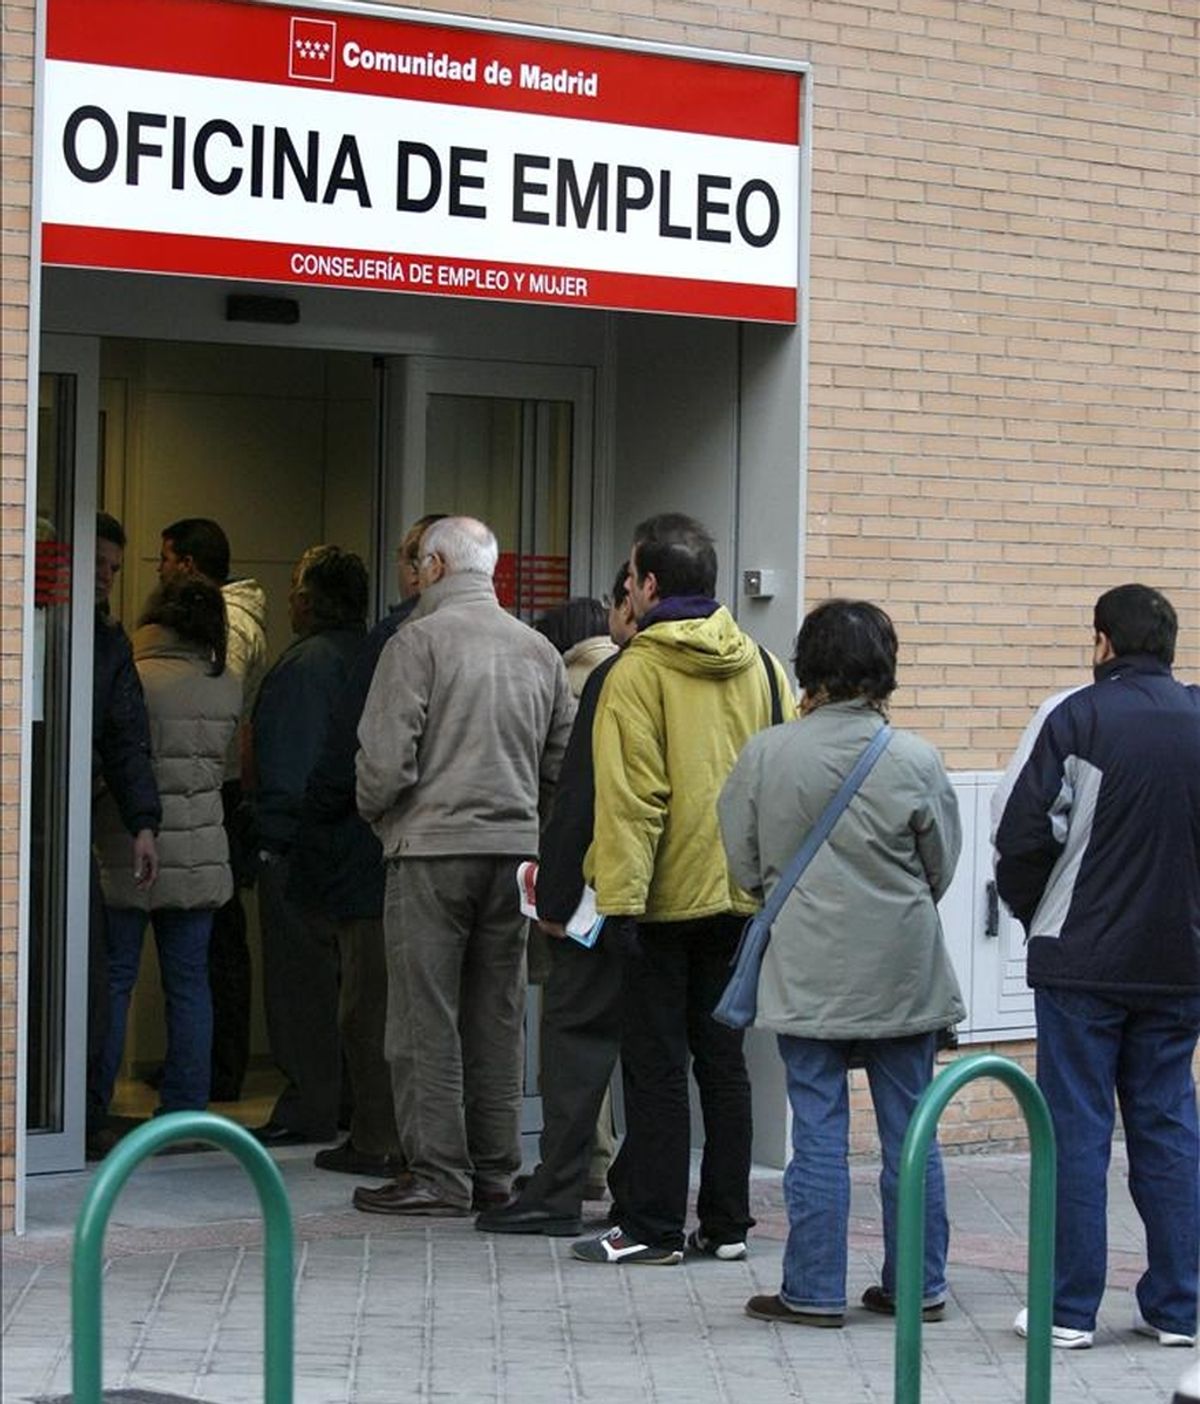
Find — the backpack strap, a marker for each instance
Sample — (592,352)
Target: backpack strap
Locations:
(773,684)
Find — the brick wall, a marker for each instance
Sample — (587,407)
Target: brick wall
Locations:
(1004,300)
(983,1116)
(16,126)
(1004,368)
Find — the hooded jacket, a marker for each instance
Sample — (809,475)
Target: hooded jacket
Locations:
(675,711)
(467,720)
(857,949)
(246,651)
(192,716)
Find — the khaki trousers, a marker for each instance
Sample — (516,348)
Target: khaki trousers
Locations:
(455,943)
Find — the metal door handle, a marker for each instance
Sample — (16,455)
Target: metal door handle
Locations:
(991,925)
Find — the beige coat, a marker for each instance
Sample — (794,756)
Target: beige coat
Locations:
(467,719)
(192,717)
(583,658)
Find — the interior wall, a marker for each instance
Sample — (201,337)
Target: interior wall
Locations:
(675,430)
(278,446)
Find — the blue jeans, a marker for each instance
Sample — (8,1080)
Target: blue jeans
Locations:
(1141,1046)
(816,1184)
(182,938)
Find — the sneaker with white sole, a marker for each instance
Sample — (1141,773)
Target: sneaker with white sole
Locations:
(727,1252)
(616,1246)
(1061,1337)
(1164,1338)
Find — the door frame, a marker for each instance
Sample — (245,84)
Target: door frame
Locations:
(411,380)
(49,1151)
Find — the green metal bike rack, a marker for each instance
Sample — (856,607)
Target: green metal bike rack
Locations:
(87,1261)
(910,1233)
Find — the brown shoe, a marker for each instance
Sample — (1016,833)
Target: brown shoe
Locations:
(877,1300)
(485,1197)
(406,1197)
(775,1309)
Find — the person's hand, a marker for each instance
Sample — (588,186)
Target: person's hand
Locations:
(552,928)
(145,858)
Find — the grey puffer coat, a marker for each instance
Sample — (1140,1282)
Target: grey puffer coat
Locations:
(192,716)
(857,951)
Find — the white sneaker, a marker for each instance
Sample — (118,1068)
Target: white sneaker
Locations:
(1164,1338)
(1061,1337)
(727,1252)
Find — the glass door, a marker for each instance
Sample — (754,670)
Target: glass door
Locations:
(510,444)
(60,767)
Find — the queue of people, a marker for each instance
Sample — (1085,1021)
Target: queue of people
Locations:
(651,755)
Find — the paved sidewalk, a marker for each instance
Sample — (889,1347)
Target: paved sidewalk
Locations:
(390,1311)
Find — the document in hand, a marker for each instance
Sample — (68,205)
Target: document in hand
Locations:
(584,924)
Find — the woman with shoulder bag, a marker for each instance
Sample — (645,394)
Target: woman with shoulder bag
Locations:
(193,704)
(856,966)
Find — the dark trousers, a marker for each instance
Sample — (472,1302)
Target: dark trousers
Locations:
(674,974)
(362,1019)
(300,995)
(97,1004)
(229,976)
(581,1038)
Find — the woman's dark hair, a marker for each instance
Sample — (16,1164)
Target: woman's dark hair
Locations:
(195,610)
(846,649)
(1137,619)
(571,623)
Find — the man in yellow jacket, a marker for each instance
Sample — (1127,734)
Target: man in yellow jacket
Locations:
(675,711)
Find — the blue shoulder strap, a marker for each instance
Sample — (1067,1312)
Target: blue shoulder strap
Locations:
(821,830)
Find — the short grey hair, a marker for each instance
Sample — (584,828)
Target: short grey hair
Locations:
(464,544)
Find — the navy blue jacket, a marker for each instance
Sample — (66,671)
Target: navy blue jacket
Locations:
(338,867)
(121,730)
(290,719)
(1098,847)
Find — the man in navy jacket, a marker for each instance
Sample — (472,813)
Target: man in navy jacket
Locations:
(1098,855)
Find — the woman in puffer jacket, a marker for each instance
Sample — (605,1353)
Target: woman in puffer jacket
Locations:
(193,704)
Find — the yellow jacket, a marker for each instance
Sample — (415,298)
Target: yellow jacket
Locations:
(673,715)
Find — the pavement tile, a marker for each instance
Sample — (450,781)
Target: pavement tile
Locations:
(391,1312)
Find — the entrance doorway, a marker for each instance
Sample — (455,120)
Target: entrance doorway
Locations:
(285,447)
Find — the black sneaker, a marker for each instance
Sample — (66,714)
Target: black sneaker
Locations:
(615,1247)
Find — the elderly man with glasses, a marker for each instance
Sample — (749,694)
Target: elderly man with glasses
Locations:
(465,725)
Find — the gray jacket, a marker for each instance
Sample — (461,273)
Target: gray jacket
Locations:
(857,951)
(467,718)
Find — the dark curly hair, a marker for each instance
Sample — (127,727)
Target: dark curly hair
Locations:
(568,624)
(195,610)
(337,586)
(846,649)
